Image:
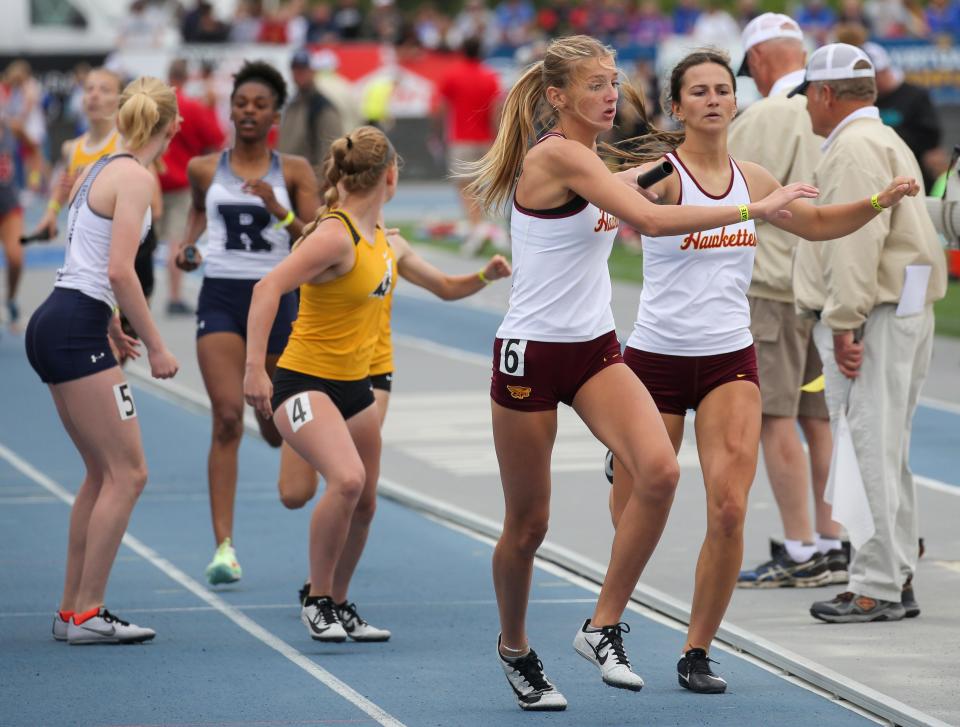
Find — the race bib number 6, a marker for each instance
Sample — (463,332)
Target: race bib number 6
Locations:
(298,411)
(511,356)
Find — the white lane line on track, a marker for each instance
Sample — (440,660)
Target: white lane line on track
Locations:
(216,603)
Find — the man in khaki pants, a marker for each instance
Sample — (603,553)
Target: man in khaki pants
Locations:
(873,293)
(776,133)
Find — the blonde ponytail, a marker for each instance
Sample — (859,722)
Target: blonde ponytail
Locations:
(357,162)
(147,106)
(495,173)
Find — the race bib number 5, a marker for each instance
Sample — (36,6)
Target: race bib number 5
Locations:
(511,356)
(125,405)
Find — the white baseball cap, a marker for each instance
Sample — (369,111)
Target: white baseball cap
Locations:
(767,27)
(835,62)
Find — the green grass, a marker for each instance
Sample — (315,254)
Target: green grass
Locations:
(627,265)
(947,312)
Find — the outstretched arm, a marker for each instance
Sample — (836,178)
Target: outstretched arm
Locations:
(582,171)
(421,273)
(832,221)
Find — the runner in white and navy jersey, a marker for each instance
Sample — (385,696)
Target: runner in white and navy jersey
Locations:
(691,344)
(67,345)
(557,341)
(252,202)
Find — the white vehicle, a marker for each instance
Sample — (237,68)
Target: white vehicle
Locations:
(52,27)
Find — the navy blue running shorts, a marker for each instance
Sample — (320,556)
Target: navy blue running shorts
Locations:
(225,303)
(66,338)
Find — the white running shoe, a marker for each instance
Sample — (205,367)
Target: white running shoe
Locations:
(356,628)
(59,627)
(319,615)
(603,648)
(533,690)
(105,628)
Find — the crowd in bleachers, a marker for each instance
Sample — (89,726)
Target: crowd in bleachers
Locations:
(505,25)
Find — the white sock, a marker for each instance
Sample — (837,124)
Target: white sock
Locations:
(825,544)
(509,659)
(799,551)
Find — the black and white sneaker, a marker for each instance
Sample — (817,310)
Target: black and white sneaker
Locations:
(533,690)
(694,673)
(838,564)
(105,628)
(356,628)
(603,648)
(319,615)
(608,466)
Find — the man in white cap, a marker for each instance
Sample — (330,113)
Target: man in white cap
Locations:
(873,292)
(776,133)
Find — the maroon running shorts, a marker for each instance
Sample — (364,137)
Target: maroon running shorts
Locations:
(536,375)
(678,383)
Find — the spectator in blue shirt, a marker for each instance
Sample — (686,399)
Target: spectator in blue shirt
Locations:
(685,14)
(816,19)
(943,17)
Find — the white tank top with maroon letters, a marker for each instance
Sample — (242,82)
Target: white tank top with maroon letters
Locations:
(694,297)
(561,285)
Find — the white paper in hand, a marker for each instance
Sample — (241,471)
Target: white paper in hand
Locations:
(845,490)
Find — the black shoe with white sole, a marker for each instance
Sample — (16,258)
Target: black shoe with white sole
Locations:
(530,685)
(694,673)
(319,615)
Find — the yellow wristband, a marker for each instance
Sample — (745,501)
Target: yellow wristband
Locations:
(744,212)
(875,203)
(286,221)
(483,278)
(53,205)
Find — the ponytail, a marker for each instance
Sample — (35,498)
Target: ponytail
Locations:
(495,173)
(147,106)
(356,162)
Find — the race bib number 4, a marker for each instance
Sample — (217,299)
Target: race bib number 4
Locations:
(511,356)
(298,411)
(125,405)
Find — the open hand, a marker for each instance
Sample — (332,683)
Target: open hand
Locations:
(127,346)
(772,207)
(898,188)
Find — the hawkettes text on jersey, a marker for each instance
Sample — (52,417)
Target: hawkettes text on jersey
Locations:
(606,222)
(702,241)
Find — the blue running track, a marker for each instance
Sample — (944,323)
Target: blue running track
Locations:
(427,582)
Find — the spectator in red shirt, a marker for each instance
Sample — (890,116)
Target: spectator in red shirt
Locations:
(200,133)
(469,93)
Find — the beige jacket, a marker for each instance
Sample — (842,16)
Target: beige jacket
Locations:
(775,133)
(846,279)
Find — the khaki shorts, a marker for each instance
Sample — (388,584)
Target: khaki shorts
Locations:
(458,153)
(786,358)
(173,221)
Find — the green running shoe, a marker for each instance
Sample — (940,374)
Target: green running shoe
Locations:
(224,567)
